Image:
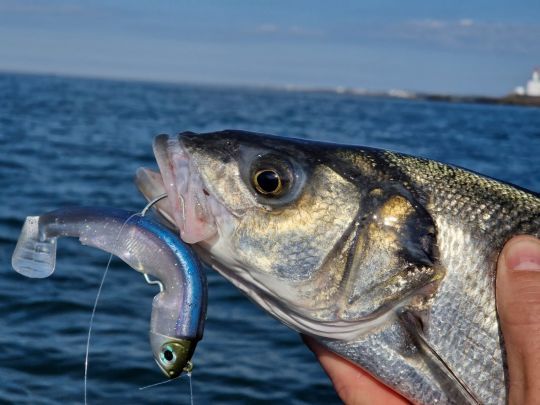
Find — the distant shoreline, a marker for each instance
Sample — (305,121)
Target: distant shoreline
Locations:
(510,99)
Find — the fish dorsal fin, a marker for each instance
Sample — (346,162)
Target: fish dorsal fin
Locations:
(459,390)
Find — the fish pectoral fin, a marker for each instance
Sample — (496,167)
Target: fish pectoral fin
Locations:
(441,369)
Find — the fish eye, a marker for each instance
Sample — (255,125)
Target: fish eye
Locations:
(271,176)
(267,181)
(167,355)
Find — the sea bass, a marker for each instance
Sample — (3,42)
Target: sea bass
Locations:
(386,259)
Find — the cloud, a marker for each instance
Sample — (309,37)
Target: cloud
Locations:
(434,24)
(466,22)
(267,27)
(464,33)
(288,31)
(459,34)
(428,24)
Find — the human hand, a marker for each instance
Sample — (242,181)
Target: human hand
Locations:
(518,305)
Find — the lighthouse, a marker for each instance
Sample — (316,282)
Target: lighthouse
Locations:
(533,85)
(532,88)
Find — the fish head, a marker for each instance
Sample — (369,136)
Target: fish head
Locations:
(268,213)
(278,217)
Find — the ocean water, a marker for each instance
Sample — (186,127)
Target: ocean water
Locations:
(70,141)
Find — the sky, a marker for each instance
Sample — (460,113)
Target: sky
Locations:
(483,47)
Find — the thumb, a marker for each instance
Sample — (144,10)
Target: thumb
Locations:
(518,305)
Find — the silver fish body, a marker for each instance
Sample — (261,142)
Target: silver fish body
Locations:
(387,259)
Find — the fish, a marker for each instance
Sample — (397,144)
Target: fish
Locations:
(178,310)
(386,259)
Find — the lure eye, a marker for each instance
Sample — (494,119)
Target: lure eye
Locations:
(267,182)
(167,355)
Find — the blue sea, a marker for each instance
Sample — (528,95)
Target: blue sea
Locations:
(71,141)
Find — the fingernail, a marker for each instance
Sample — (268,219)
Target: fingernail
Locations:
(523,255)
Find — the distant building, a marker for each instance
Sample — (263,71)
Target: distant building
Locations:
(533,85)
(532,88)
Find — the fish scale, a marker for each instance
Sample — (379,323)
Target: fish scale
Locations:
(457,325)
(464,310)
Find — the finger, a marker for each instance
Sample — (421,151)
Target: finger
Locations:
(352,384)
(518,305)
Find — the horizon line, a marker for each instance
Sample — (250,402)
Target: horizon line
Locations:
(348,90)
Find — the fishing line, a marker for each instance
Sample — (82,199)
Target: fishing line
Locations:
(155,200)
(190,387)
(160,383)
(188,374)
(142,213)
(168,381)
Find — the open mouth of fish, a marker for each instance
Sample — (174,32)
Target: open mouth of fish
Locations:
(189,207)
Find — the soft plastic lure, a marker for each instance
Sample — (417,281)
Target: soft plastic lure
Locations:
(178,310)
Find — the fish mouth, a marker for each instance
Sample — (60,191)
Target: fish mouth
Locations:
(189,207)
